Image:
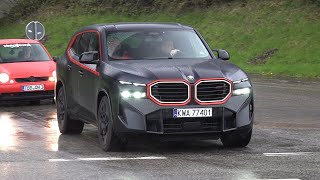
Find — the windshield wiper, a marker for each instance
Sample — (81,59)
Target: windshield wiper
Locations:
(27,61)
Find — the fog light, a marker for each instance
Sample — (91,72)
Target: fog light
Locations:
(241,91)
(136,94)
(139,95)
(125,94)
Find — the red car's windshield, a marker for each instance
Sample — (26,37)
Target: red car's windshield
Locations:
(11,53)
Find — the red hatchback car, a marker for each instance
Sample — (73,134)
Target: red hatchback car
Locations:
(27,71)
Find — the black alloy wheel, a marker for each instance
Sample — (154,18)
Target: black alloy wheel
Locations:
(66,125)
(108,138)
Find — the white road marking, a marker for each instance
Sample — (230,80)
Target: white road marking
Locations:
(108,159)
(287,154)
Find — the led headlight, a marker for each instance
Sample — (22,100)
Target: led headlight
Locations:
(241,80)
(131,83)
(135,94)
(241,91)
(132,90)
(4,77)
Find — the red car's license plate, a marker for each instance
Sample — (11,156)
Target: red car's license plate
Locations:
(39,87)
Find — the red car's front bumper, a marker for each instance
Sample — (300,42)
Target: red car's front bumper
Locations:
(14,91)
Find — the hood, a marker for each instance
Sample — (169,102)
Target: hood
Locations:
(27,69)
(145,71)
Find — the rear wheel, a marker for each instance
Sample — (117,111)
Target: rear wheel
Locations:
(108,138)
(236,139)
(66,125)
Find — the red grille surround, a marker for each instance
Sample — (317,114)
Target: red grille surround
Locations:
(155,92)
(227,86)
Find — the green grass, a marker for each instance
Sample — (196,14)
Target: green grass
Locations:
(245,31)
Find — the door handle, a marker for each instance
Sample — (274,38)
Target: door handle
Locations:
(81,73)
(69,67)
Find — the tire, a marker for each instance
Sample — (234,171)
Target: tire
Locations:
(66,125)
(109,139)
(236,139)
(35,102)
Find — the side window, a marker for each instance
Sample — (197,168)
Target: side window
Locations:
(74,50)
(85,42)
(75,47)
(94,43)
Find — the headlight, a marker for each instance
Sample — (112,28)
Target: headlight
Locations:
(241,91)
(241,80)
(53,77)
(135,94)
(4,78)
(132,90)
(131,83)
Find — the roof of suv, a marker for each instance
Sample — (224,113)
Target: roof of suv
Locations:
(138,25)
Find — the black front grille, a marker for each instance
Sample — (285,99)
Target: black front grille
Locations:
(212,90)
(31,79)
(202,124)
(170,92)
(163,121)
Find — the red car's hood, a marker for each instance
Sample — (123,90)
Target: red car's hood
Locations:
(27,69)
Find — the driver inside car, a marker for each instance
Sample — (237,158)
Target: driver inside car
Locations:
(167,48)
(25,54)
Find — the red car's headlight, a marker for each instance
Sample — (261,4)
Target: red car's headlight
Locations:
(4,77)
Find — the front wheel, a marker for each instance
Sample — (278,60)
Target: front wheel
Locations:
(108,138)
(236,139)
(66,125)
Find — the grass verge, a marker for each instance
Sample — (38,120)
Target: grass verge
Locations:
(245,30)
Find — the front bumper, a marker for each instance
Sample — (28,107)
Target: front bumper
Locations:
(142,116)
(12,92)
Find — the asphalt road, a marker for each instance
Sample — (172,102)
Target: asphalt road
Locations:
(285,144)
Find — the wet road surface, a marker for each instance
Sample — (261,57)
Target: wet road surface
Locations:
(285,144)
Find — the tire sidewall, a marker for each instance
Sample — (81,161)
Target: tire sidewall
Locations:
(106,145)
(63,125)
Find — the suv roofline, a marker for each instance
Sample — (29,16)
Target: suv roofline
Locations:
(116,25)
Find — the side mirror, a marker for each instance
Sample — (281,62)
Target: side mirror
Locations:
(91,57)
(222,54)
(55,58)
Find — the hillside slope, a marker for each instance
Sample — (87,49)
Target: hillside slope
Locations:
(264,37)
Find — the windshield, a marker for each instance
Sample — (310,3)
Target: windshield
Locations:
(160,44)
(11,53)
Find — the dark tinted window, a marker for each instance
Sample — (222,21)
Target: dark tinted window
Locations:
(75,46)
(85,42)
(94,43)
(156,44)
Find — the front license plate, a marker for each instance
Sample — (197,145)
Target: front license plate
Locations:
(39,87)
(194,112)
